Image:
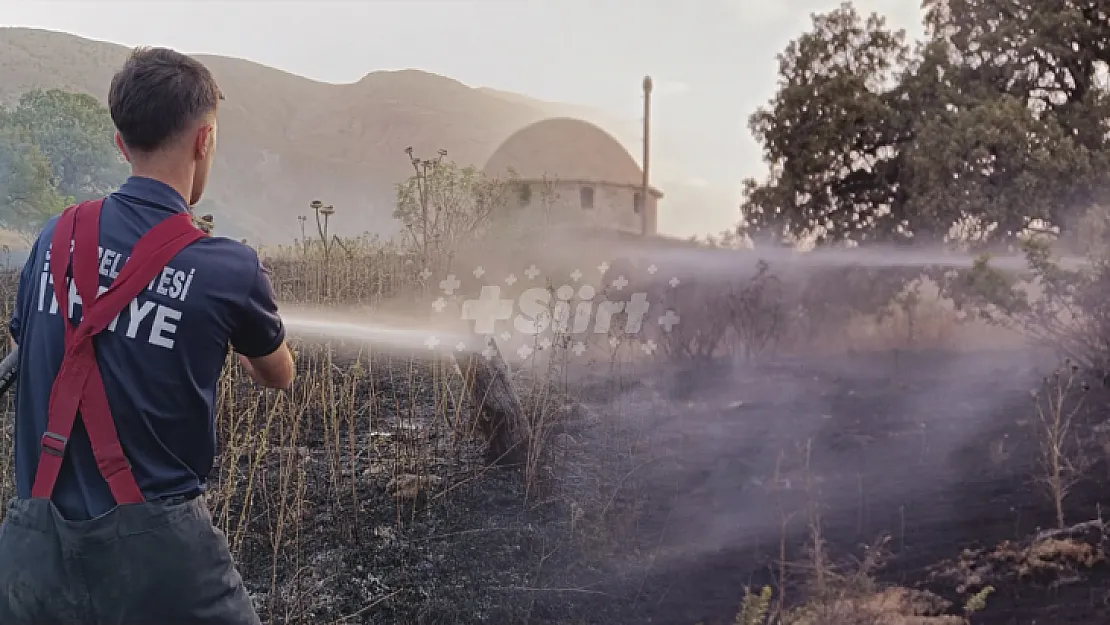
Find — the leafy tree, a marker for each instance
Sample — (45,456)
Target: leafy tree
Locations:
(55,148)
(993,168)
(833,135)
(461,204)
(1050,55)
(28,194)
(76,134)
(1017,127)
(997,121)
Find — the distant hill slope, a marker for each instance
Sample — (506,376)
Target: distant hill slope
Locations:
(286,140)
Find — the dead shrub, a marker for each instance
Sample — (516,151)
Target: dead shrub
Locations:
(1062,308)
(745,316)
(1062,459)
(758,315)
(1053,558)
(704,319)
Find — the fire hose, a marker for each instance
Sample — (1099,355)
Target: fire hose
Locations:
(9,368)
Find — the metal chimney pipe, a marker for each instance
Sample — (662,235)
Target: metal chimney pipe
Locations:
(645,226)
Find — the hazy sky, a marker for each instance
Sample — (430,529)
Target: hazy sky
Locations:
(712,60)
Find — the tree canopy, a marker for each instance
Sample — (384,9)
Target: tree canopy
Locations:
(996,121)
(56,148)
(444,206)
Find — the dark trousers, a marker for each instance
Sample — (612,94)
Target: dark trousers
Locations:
(140,564)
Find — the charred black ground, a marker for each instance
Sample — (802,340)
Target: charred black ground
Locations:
(656,503)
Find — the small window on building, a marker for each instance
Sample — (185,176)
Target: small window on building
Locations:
(524,194)
(586,194)
(637,203)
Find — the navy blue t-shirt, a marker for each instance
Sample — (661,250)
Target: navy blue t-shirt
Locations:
(161,359)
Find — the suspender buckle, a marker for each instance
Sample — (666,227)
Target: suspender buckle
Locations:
(54,444)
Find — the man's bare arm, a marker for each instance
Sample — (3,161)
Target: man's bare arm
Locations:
(274,371)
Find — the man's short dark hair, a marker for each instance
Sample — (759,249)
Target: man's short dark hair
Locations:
(156,94)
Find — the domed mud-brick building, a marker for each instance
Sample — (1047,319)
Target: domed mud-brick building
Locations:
(574,175)
(576,206)
(577,218)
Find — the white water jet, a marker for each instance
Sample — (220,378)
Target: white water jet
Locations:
(725,259)
(376,334)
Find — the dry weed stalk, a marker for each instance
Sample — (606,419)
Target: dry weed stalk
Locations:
(1058,402)
(842,595)
(784,520)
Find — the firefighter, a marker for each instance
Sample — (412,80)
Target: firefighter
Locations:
(124,315)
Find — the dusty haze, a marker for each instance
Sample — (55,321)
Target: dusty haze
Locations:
(288,138)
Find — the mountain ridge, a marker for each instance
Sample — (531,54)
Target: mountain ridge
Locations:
(287,139)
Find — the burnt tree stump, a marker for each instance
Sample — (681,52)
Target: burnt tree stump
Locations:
(498,412)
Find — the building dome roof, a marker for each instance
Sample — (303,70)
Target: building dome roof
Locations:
(565,149)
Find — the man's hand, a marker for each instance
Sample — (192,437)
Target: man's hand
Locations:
(245,363)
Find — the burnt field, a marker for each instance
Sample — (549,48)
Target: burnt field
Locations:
(664,491)
(795,481)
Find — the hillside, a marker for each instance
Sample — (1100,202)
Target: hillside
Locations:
(286,140)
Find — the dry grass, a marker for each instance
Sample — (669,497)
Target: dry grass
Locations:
(1054,558)
(836,594)
(362,272)
(366,446)
(358,431)
(889,606)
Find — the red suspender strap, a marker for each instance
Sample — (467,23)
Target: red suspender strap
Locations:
(79,386)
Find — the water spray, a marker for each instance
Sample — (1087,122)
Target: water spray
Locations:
(384,335)
(379,334)
(702,260)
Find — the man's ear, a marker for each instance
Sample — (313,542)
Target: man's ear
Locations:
(203,141)
(122,147)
